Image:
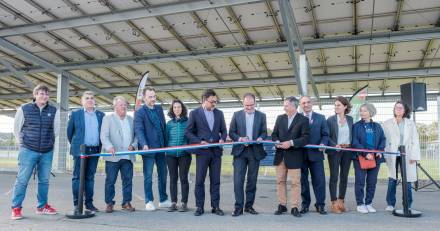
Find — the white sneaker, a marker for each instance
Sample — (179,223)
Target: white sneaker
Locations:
(389,208)
(362,209)
(165,204)
(150,206)
(371,209)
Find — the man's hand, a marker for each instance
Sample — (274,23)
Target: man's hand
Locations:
(338,146)
(221,141)
(321,149)
(203,142)
(130,148)
(369,156)
(259,139)
(379,155)
(112,151)
(145,147)
(285,144)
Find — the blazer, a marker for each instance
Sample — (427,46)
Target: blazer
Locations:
(144,129)
(359,139)
(198,130)
(412,147)
(318,135)
(112,136)
(76,130)
(237,129)
(299,132)
(333,127)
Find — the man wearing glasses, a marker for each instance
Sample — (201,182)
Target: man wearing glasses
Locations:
(206,124)
(247,124)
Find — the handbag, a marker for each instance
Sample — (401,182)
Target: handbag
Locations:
(365,163)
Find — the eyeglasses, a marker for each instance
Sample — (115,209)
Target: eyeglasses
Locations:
(87,98)
(213,101)
(249,105)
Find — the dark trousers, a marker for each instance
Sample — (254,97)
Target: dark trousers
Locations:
(214,164)
(339,164)
(365,177)
(245,162)
(391,193)
(91,164)
(178,167)
(111,172)
(318,182)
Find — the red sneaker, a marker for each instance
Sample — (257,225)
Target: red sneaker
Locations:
(16,214)
(46,210)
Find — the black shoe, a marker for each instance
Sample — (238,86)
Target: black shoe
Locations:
(183,208)
(92,208)
(295,212)
(237,212)
(199,211)
(304,210)
(281,209)
(173,207)
(321,210)
(251,211)
(217,211)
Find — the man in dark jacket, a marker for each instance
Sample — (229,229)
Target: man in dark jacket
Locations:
(292,132)
(150,131)
(247,124)
(206,124)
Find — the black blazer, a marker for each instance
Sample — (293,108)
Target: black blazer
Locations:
(299,132)
(237,129)
(197,130)
(333,130)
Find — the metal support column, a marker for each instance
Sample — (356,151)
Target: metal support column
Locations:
(61,145)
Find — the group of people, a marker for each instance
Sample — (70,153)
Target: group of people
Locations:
(37,124)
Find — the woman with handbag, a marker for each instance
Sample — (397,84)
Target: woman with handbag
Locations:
(340,133)
(401,131)
(367,135)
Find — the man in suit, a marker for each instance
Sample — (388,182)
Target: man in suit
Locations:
(149,130)
(84,127)
(292,132)
(247,124)
(117,135)
(314,159)
(206,124)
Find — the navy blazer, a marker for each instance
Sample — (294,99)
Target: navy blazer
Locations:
(359,139)
(319,134)
(198,130)
(333,128)
(76,130)
(298,132)
(237,129)
(144,129)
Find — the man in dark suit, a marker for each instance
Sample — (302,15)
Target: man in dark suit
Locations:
(314,159)
(84,127)
(206,124)
(247,124)
(149,129)
(292,132)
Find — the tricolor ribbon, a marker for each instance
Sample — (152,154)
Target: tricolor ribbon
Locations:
(212,145)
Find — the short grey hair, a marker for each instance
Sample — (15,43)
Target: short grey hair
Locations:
(292,100)
(370,108)
(117,98)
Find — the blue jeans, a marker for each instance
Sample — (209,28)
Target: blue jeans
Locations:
(363,176)
(91,165)
(391,193)
(28,160)
(161,168)
(111,172)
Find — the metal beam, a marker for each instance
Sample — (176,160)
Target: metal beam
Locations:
(18,74)
(268,82)
(8,45)
(121,15)
(291,32)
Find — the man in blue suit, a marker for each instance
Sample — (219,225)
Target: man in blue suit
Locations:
(149,129)
(84,127)
(314,159)
(206,124)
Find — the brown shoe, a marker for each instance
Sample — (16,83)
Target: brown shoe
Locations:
(342,205)
(109,208)
(127,207)
(335,207)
